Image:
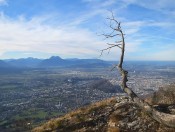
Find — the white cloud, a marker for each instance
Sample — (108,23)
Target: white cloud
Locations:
(33,35)
(165,6)
(69,39)
(100,3)
(3,2)
(137,30)
(133,27)
(66,40)
(85,16)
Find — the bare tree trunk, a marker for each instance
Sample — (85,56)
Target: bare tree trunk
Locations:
(165,119)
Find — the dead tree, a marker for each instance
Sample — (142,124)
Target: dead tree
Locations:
(163,118)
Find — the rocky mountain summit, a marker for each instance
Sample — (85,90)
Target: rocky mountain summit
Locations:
(117,114)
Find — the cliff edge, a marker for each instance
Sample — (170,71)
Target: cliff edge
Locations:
(117,114)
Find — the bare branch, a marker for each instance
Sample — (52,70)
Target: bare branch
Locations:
(113,19)
(109,50)
(101,53)
(115,45)
(166,119)
(109,36)
(118,42)
(114,67)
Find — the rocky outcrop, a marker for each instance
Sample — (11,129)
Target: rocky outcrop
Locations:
(117,114)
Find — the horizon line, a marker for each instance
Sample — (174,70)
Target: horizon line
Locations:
(78,58)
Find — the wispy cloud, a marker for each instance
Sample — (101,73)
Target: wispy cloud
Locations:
(3,2)
(74,34)
(158,5)
(33,35)
(67,40)
(101,3)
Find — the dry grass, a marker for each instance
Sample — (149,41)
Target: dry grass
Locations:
(113,123)
(113,129)
(78,115)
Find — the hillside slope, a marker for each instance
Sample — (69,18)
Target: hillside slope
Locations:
(117,114)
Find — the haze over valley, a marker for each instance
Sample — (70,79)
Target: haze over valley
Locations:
(35,90)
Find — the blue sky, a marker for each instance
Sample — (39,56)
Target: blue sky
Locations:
(71,28)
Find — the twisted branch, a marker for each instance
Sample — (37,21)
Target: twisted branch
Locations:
(166,119)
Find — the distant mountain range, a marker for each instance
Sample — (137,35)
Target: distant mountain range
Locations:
(56,61)
(53,62)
